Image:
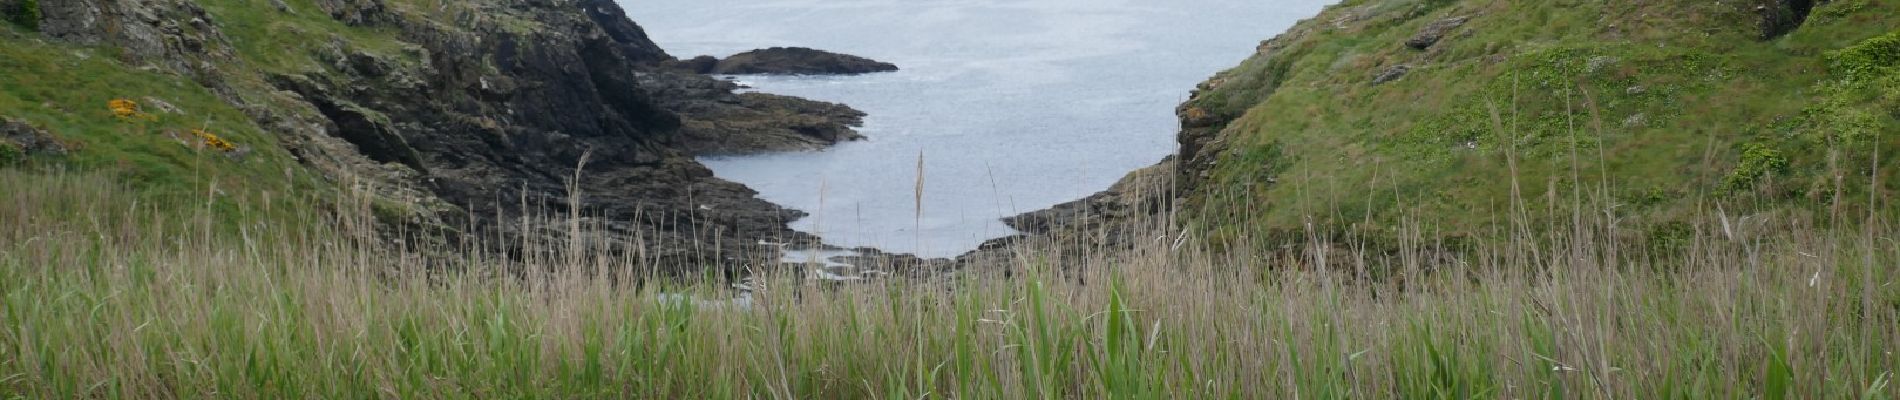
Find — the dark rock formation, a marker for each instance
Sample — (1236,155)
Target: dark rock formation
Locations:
(1434,32)
(358,12)
(553,116)
(696,65)
(490,125)
(1142,192)
(19,140)
(178,34)
(1103,224)
(797,61)
(628,36)
(716,121)
(1778,17)
(872,259)
(1391,74)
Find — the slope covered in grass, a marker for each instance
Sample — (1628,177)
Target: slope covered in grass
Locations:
(121,281)
(1662,107)
(161,152)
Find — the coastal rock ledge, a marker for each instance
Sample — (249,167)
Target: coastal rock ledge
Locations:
(786,61)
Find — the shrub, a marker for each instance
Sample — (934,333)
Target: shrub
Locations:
(1758,160)
(25,13)
(1868,59)
(10,154)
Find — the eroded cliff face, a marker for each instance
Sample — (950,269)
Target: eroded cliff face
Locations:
(476,113)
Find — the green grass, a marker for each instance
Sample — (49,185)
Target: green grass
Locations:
(102,296)
(65,90)
(1487,227)
(305,40)
(1674,103)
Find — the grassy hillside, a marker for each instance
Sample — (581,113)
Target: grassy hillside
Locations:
(1663,107)
(65,89)
(148,263)
(159,150)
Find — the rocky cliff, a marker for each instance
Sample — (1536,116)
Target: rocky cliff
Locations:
(471,114)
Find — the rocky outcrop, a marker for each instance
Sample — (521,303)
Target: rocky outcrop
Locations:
(789,61)
(717,121)
(1104,224)
(20,140)
(1778,17)
(695,65)
(176,33)
(557,115)
(1391,74)
(357,12)
(627,35)
(1434,32)
(566,106)
(1142,192)
(1206,115)
(24,13)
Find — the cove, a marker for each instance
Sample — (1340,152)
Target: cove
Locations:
(1012,105)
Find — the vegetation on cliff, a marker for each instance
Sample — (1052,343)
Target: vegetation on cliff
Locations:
(1379,110)
(68,93)
(460,113)
(1397,199)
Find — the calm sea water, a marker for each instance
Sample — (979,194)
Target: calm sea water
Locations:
(1013,105)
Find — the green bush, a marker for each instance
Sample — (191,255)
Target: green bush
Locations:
(25,13)
(1758,160)
(1867,60)
(10,154)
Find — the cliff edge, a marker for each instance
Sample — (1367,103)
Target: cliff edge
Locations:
(464,117)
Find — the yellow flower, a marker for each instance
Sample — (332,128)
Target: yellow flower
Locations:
(127,109)
(123,107)
(213,141)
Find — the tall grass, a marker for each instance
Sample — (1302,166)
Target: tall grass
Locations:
(104,297)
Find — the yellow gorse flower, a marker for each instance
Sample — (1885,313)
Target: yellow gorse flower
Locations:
(213,141)
(128,110)
(123,107)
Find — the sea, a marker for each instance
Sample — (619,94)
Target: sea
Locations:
(1001,106)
